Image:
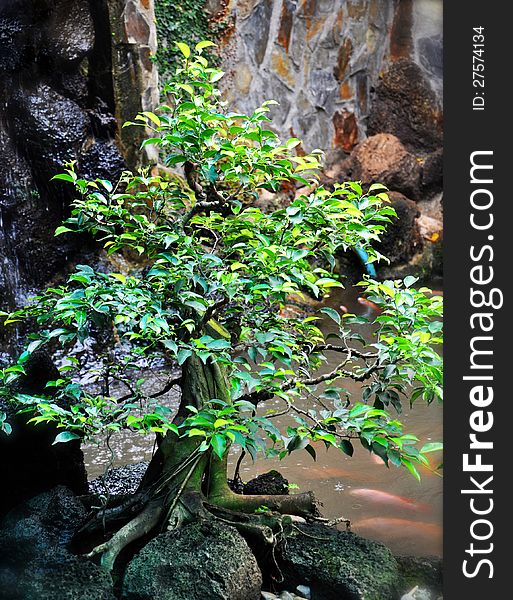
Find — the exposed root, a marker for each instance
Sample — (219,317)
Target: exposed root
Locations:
(138,527)
(303,505)
(332,522)
(106,517)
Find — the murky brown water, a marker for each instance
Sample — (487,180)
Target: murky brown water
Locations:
(386,504)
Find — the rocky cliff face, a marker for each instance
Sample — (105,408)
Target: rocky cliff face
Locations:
(70,72)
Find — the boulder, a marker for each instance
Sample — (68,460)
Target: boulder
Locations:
(102,160)
(432,174)
(268,483)
(339,564)
(201,560)
(69,33)
(382,158)
(402,239)
(51,128)
(404,104)
(35,561)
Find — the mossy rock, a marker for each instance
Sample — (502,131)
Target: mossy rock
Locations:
(201,560)
(339,565)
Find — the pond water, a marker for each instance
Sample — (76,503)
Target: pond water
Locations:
(386,504)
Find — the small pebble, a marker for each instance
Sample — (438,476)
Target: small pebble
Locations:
(268,596)
(304,591)
(417,594)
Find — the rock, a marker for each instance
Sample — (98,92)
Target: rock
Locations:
(382,158)
(50,128)
(268,596)
(402,240)
(304,591)
(201,560)
(268,483)
(121,480)
(404,104)
(342,565)
(69,33)
(35,561)
(29,462)
(425,572)
(430,229)
(102,160)
(418,594)
(432,173)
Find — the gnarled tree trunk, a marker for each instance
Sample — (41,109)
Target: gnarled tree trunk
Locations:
(183,484)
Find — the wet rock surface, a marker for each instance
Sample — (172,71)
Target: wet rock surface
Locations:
(49,114)
(335,564)
(35,561)
(424,572)
(201,560)
(69,35)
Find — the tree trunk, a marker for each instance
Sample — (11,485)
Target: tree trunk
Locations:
(182,484)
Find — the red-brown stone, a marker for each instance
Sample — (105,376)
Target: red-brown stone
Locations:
(401,43)
(346,130)
(285,26)
(344,56)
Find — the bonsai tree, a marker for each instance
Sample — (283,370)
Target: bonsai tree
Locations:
(207,297)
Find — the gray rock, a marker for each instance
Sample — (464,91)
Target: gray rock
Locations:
(35,561)
(337,564)
(304,591)
(121,480)
(422,571)
(272,483)
(201,560)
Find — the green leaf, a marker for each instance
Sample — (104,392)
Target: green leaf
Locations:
(346,447)
(332,313)
(183,355)
(64,177)
(431,447)
(65,436)
(62,229)
(171,345)
(184,49)
(311,451)
(204,44)
(219,444)
(410,280)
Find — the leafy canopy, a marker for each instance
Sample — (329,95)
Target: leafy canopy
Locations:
(216,273)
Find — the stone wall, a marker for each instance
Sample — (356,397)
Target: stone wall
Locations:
(336,66)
